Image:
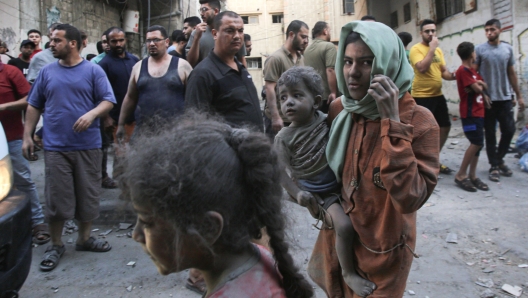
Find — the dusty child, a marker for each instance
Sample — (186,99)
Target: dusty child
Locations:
(307,177)
(473,100)
(202,190)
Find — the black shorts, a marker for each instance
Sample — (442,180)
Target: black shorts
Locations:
(474,130)
(438,106)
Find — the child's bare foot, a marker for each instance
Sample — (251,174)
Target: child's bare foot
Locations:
(359,285)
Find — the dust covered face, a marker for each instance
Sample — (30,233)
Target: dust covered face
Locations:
(297,103)
(357,68)
(170,249)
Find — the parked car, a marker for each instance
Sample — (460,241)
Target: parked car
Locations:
(15,228)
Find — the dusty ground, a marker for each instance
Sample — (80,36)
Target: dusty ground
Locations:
(491,228)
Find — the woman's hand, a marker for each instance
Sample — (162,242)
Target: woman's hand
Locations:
(386,94)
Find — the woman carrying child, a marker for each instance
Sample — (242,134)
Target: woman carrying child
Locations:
(383,148)
(202,190)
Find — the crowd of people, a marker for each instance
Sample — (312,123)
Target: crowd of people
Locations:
(353,133)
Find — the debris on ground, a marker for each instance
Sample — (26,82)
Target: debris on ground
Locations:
(487,294)
(129,288)
(485,282)
(451,238)
(513,290)
(523,266)
(411,292)
(70,240)
(106,232)
(488,270)
(69,227)
(124,226)
(95,230)
(131,263)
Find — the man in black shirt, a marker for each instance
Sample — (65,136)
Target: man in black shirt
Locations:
(26,49)
(220,83)
(179,46)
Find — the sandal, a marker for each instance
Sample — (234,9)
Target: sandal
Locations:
(52,257)
(197,286)
(466,184)
(94,245)
(494,174)
(445,169)
(41,234)
(109,183)
(505,171)
(479,184)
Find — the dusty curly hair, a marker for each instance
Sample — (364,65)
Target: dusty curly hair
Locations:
(200,164)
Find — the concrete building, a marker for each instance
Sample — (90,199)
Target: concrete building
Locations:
(92,16)
(459,21)
(266,22)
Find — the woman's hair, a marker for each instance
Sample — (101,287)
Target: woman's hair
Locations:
(352,38)
(311,79)
(198,164)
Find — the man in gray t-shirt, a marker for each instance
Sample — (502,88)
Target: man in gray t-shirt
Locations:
(495,63)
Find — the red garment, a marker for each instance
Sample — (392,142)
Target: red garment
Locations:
(262,280)
(471,103)
(395,168)
(13,86)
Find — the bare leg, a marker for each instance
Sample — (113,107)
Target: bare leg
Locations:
(85,229)
(345,234)
(444,133)
(469,159)
(56,232)
(473,168)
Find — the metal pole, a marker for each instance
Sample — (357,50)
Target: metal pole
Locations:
(148,20)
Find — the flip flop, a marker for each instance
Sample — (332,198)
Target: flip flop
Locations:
(494,174)
(445,169)
(52,255)
(197,286)
(479,184)
(94,245)
(41,234)
(466,184)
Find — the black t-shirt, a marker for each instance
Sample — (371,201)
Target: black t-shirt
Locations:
(20,64)
(174,53)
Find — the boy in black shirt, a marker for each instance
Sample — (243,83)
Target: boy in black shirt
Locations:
(26,49)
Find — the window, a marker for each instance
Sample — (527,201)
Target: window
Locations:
(447,8)
(250,19)
(254,63)
(277,18)
(407,12)
(348,6)
(394,19)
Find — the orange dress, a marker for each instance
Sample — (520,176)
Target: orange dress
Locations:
(390,170)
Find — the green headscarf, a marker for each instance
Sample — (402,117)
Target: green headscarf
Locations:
(390,60)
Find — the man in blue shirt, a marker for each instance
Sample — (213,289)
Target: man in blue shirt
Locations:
(117,65)
(73,93)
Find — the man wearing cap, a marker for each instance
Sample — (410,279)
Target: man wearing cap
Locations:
(3,52)
(22,62)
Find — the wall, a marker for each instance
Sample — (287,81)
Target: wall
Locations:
(10,26)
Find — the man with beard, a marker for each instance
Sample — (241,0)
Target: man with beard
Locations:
(201,41)
(495,60)
(117,65)
(72,140)
(321,55)
(41,59)
(430,68)
(288,56)
(156,86)
(26,49)
(248,44)
(106,48)
(189,24)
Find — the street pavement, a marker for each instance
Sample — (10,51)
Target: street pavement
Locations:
(491,229)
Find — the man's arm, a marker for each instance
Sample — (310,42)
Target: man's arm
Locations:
(87,119)
(446,74)
(17,105)
(32,118)
(512,77)
(194,51)
(424,65)
(332,83)
(129,102)
(184,70)
(271,100)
